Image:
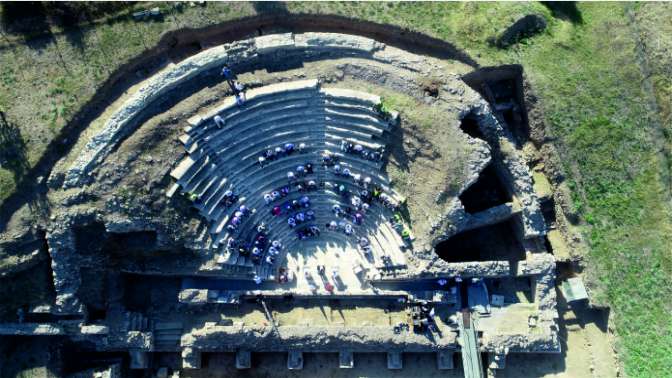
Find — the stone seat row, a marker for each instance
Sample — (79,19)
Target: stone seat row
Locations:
(225,158)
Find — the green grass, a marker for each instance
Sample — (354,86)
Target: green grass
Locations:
(585,75)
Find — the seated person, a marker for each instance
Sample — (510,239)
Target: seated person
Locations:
(346,146)
(290,176)
(348,229)
(289,148)
(309,168)
(314,230)
(228,194)
(276,211)
(262,161)
(302,147)
(337,169)
(283,277)
(358,218)
(260,241)
(310,215)
(300,217)
(304,201)
(333,226)
(328,159)
(291,222)
(219,121)
(377,191)
(366,196)
(312,185)
(284,191)
(337,210)
(300,170)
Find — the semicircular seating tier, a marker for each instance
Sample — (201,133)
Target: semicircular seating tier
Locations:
(338,138)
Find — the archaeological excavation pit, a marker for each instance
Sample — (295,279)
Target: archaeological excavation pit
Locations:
(301,193)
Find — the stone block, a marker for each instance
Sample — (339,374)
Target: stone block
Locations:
(243,359)
(444,360)
(336,41)
(394,361)
(295,360)
(191,358)
(270,43)
(139,359)
(346,360)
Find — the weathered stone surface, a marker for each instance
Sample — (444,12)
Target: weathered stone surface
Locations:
(191,358)
(440,268)
(193,296)
(94,329)
(357,339)
(336,41)
(273,42)
(30,329)
(539,342)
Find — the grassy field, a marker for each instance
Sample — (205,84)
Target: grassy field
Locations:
(584,68)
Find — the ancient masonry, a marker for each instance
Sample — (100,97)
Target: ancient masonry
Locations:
(347,244)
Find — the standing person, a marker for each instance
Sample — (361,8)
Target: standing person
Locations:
(228,74)
(237,87)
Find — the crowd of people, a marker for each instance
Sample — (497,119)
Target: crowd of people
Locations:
(356,200)
(259,249)
(358,149)
(272,154)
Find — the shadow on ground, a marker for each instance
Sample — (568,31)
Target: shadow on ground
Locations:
(564,10)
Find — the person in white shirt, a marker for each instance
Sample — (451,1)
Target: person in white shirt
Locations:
(219,121)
